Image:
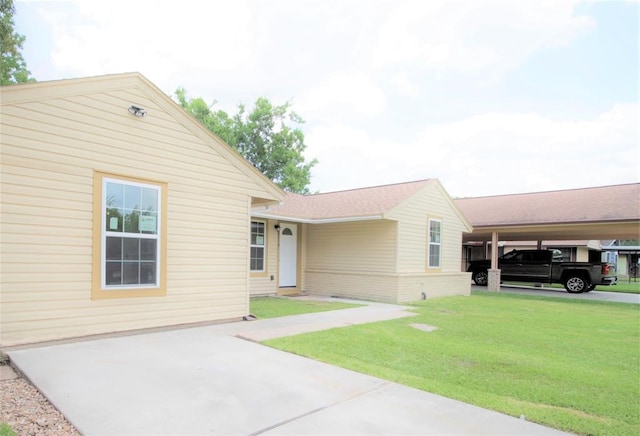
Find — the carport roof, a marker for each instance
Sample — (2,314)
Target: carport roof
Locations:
(606,212)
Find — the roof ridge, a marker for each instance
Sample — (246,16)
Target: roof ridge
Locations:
(368,187)
(549,192)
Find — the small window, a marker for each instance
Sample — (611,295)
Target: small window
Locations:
(258,244)
(434,249)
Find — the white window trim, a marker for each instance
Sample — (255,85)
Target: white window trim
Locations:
(263,246)
(105,234)
(431,244)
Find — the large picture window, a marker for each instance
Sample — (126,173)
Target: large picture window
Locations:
(129,238)
(435,237)
(258,244)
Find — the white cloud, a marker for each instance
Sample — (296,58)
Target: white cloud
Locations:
(344,92)
(158,39)
(492,36)
(486,154)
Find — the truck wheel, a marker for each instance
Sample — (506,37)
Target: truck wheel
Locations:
(481,278)
(576,284)
(591,287)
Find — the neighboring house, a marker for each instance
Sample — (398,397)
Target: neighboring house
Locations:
(115,221)
(392,243)
(627,258)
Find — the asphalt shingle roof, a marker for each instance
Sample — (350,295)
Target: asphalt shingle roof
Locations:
(361,202)
(606,203)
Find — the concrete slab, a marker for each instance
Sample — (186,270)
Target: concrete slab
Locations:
(394,409)
(204,380)
(614,297)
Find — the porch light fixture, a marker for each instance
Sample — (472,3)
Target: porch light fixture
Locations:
(277,227)
(137,111)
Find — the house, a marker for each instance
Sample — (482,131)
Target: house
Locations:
(392,243)
(626,258)
(119,211)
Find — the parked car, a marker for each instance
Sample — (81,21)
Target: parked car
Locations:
(545,266)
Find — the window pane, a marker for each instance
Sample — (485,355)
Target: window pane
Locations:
(148,249)
(148,273)
(114,248)
(257,233)
(131,218)
(115,195)
(132,196)
(131,249)
(113,273)
(434,255)
(130,273)
(148,223)
(114,220)
(434,231)
(149,200)
(257,259)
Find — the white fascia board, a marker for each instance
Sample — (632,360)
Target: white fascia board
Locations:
(315,221)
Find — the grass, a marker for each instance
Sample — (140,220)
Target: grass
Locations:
(272,307)
(572,365)
(5,430)
(623,285)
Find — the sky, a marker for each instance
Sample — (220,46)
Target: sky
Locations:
(490,97)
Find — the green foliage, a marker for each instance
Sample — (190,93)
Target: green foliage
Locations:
(273,307)
(568,364)
(13,68)
(630,242)
(5,430)
(263,136)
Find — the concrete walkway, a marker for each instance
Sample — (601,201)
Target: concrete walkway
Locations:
(208,380)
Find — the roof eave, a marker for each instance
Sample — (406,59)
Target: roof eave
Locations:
(347,219)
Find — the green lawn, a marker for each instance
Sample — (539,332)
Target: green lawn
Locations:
(623,285)
(572,365)
(272,307)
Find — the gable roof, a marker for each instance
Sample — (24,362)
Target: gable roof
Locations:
(588,213)
(353,204)
(350,205)
(38,91)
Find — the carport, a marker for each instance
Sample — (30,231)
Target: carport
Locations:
(607,212)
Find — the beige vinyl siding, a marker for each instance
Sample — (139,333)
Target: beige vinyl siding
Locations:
(353,259)
(413,224)
(411,286)
(363,246)
(414,278)
(358,285)
(50,151)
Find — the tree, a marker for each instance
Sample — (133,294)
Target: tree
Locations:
(13,68)
(262,136)
(629,242)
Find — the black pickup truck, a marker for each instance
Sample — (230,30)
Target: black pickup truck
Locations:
(545,266)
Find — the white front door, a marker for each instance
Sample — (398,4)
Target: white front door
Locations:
(288,255)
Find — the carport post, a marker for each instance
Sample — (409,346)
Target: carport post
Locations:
(494,272)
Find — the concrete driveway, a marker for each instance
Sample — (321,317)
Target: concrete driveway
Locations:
(615,297)
(207,380)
